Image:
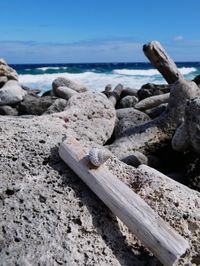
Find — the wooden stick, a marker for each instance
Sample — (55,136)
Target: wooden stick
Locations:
(165,243)
(159,58)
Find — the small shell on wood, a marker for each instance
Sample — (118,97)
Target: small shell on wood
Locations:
(99,156)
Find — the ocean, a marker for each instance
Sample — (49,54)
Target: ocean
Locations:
(97,75)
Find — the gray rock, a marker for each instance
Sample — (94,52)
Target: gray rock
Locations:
(128,118)
(187,134)
(91,116)
(47,93)
(128,101)
(108,90)
(152,101)
(151,89)
(64,92)
(11,93)
(197,80)
(156,111)
(129,92)
(3,80)
(48,216)
(60,82)
(58,106)
(7,71)
(8,110)
(34,105)
(31,91)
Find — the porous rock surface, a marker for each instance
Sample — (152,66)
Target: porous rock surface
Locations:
(6,71)
(91,116)
(48,216)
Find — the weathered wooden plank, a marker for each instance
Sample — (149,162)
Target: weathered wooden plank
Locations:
(159,58)
(165,243)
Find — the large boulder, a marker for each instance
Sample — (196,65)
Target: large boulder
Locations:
(7,72)
(34,105)
(11,93)
(60,82)
(49,217)
(91,116)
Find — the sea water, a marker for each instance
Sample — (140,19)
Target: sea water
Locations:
(97,75)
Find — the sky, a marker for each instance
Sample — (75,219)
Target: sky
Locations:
(75,31)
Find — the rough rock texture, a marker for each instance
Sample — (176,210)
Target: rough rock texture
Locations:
(34,105)
(60,82)
(188,134)
(150,89)
(91,116)
(128,118)
(11,93)
(48,216)
(58,106)
(128,101)
(6,71)
(155,134)
(156,111)
(8,110)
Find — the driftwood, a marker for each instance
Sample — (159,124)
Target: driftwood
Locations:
(159,58)
(152,230)
(152,102)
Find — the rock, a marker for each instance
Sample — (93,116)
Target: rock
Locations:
(129,92)
(47,93)
(152,102)
(3,81)
(128,118)
(197,80)
(187,134)
(31,91)
(11,93)
(116,94)
(6,71)
(60,82)
(128,101)
(108,90)
(58,106)
(34,105)
(48,216)
(156,111)
(64,92)
(155,134)
(91,116)
(8,110)
(151,89)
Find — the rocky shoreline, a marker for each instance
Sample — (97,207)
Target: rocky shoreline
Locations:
(49,217)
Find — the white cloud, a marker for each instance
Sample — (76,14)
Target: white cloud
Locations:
(179,38)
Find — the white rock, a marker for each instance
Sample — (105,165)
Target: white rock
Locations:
(11,93)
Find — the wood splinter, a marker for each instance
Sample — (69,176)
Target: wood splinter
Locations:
(157,235)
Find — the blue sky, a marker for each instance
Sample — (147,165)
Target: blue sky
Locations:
(65,31)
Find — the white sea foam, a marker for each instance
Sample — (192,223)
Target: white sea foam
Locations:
(98,81)
(95,81)
(150,72)
(48,68)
